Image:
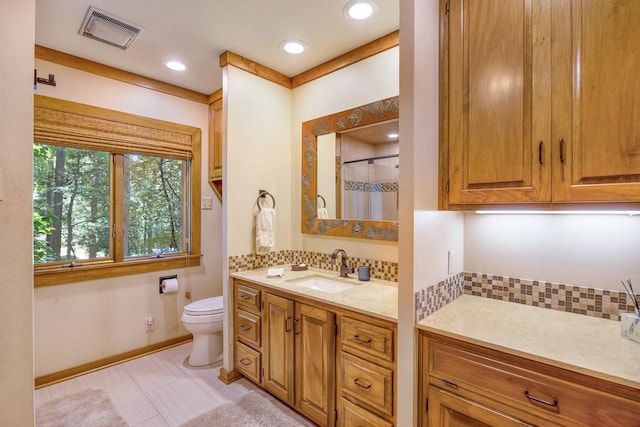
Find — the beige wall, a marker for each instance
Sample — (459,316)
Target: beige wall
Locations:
(426,235)
(361,83)
(17,27)
(585,250)
(82,322)
(256,157)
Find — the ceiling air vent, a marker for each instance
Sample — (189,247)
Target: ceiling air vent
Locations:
(100,25)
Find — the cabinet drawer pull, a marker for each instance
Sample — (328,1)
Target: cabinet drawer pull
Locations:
(540,151)
(561,150)
(245,297)
(295,323)
(361,385)
(553,404)
(359,340)
(245,362)
(287,324)
(450,384)
(245,327)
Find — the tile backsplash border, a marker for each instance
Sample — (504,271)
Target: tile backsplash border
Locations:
(603,303)
(383,270)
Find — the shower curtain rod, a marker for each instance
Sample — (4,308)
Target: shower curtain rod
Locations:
(372,159)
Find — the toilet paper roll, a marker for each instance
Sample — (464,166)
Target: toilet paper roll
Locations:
(169,285)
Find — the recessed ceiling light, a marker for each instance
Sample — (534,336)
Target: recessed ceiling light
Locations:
(293,47)
(360,9)
(175,65)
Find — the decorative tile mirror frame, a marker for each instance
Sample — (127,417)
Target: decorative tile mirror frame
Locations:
(375,112)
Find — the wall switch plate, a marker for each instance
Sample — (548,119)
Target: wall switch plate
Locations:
(451,256)
(206,203)
(149,324)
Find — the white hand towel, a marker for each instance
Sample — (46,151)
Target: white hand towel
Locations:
(322,213)
(265,230)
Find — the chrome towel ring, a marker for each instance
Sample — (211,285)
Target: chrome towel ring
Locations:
(262,194)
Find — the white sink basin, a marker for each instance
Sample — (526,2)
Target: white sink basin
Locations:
(322,283)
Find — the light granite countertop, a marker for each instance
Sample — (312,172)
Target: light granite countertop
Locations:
(576,342)
(377,298)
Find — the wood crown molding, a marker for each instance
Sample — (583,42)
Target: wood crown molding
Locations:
(389,41)
(57,57)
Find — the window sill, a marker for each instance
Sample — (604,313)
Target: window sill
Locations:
(81,273)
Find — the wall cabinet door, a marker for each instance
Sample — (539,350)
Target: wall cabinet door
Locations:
(596,101)
(540,112)
(496,124)
(215,145)
(278,353)
(315,338)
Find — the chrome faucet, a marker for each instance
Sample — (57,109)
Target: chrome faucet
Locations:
(344,268)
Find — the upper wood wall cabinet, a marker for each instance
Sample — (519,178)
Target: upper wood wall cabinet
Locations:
(215,143)
(540,102)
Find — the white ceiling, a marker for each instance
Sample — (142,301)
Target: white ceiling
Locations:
(196,32)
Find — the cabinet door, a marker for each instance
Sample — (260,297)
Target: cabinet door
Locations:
(315,363)
(215,146)
(449,410)
(596,101)
(278,354)
(497,101)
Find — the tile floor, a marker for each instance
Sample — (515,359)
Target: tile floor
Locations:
(157,390)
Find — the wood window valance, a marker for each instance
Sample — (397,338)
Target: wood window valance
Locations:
(75,125)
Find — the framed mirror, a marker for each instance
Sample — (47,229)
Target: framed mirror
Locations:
(315,205)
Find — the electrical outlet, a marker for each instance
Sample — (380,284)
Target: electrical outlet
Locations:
(149,324)
(451,256)
(206,203)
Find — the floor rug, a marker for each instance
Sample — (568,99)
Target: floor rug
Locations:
(87,408)
(254,409)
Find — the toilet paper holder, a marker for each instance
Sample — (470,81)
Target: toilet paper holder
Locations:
(175,276)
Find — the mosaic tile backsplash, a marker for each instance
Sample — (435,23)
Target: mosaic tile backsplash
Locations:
(607,304)
(383,270)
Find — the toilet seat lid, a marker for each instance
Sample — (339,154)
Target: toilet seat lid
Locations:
(204,307)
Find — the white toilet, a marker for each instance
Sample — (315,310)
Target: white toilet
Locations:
(203,318)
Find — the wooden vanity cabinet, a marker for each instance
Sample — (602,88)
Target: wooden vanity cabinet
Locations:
(465,384)
(295,357)
(539,110)
(366,372)
(334,366)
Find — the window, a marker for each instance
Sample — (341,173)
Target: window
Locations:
(113,193)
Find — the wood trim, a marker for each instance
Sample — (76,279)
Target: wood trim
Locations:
(389,41)
(381,44)
(56,377)
(228,377)
(83,273)
(215,96)
(230,58)
(61,58)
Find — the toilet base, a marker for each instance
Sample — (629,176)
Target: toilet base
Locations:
(206,349)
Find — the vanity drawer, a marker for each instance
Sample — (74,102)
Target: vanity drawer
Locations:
(370,339)
(482,378)
(367,382)
(355,416)
(248,328)
(248,297)
(248,362)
